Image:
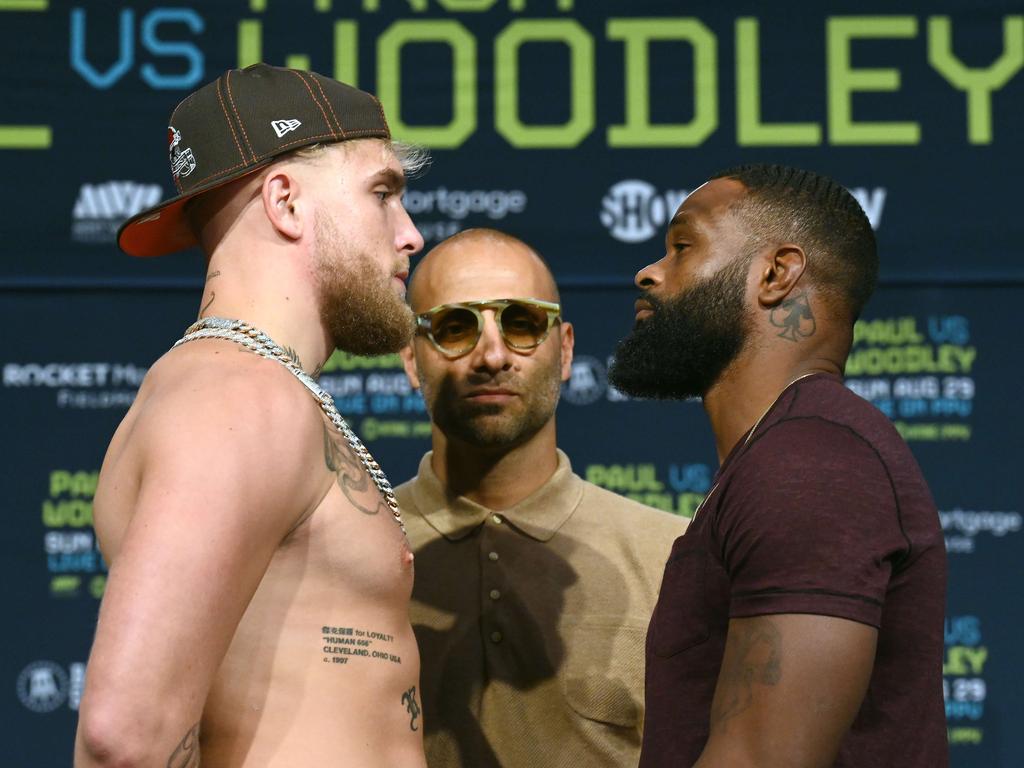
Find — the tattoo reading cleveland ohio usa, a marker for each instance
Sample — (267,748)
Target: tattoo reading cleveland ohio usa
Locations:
(342,644)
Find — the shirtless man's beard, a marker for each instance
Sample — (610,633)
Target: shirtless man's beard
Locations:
(358,304)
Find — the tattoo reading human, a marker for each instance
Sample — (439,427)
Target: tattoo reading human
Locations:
(344,643)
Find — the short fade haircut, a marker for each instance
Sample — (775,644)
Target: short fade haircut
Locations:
(817,213)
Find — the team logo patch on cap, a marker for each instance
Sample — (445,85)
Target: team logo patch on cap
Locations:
(182,160)
(281,127)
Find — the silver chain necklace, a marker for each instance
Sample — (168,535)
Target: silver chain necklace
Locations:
(257,341)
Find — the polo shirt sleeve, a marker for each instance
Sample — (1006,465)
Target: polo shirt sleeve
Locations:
(809,523)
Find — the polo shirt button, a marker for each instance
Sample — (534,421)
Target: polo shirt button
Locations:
(495,637)
(496,519)
(492,556)
(495,594)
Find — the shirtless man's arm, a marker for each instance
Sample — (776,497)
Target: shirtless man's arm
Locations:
(215,476)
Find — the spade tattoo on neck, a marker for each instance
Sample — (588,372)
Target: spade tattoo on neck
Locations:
(794,317)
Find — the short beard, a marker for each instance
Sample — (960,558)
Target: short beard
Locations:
(681,350)
(361,312)
(486,426)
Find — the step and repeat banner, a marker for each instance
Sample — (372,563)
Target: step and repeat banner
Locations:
(579,126)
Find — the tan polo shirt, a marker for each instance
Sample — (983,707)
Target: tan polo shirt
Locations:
(531,622)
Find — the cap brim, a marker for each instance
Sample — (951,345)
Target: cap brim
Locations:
(164,228)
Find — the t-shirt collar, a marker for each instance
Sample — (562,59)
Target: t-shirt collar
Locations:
(539,515)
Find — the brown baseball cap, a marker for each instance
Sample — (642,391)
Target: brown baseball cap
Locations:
(237,124)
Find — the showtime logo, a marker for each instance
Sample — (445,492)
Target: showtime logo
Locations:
(634,211)
(101,208)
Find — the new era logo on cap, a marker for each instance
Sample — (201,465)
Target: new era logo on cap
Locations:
(220,135)
(281,127)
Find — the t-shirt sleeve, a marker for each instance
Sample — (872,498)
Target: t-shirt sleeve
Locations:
(809,524)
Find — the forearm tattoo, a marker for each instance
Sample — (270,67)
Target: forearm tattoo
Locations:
(756,658)
(186,754)
(409,700)
(351,475)
(794,317)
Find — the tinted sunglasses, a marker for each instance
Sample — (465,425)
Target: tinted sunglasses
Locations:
(454,329)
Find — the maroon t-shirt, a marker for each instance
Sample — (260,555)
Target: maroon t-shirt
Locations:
(824,511)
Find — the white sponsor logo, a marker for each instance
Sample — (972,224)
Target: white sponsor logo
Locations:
(634,211)
(960,526)
(101,208)
(281,127)
(43,686)
(458,203)
(872,201)
(588,382)
(55,375)
(79,385)
(972,523)
(183,162)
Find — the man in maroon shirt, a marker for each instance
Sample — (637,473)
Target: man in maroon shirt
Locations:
(800,616)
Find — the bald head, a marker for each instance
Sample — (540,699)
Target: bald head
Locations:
(477,265)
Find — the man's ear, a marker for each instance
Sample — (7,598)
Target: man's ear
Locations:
(568,343)
(780,271)
(409,363)
(280,194)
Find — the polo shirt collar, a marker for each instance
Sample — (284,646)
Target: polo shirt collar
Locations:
(539,515)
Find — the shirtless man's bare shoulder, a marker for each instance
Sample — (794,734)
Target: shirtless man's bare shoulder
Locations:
(257,605)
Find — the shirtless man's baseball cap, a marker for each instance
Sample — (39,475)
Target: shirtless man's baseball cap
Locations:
(238,124)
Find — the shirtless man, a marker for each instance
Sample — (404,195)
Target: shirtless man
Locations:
(257,605)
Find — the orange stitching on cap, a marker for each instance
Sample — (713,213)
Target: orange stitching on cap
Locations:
(227,119)
(380,108)
(328,103)
(241,126)
(306,140)
(326,120)
(276,151)
(261,158)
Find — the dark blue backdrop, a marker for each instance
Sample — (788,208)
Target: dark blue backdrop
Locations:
(579,127)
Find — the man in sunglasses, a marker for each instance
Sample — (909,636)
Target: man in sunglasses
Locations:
(800,621)
(533,588)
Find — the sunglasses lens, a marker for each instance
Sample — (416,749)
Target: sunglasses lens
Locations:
(455,330)
(523,326)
